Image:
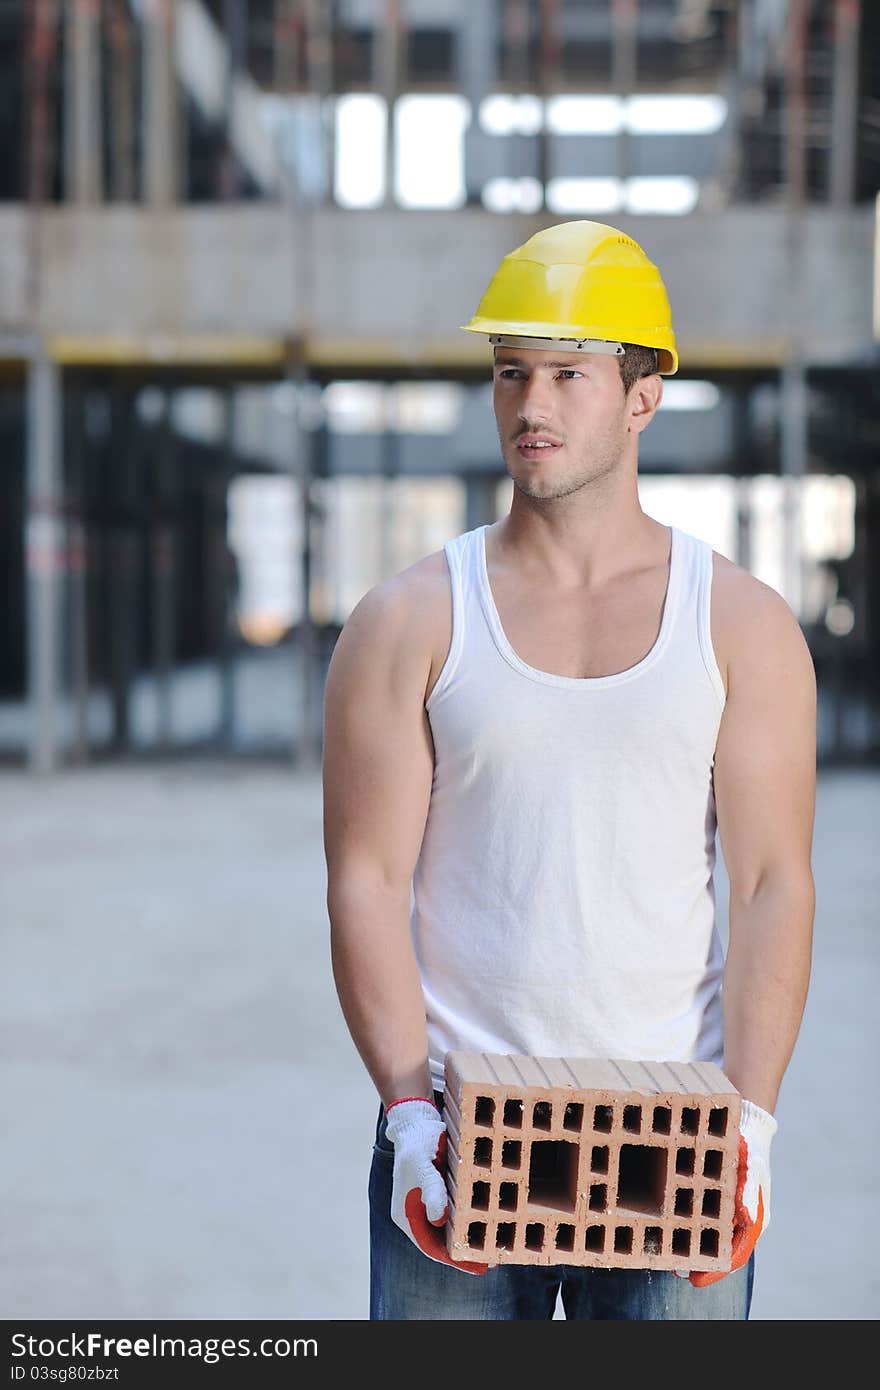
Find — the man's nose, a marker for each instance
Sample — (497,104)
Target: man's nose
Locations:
(534,401)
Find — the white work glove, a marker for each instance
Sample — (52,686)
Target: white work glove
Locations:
(418,1195)
(752,1208)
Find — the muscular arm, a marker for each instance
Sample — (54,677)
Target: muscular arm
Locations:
(765,782)
(377,774)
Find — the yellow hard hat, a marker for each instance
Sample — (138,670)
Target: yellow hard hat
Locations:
(581,283)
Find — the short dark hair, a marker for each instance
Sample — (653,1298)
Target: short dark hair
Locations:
(637,362)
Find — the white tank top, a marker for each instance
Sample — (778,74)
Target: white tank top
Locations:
(564,898)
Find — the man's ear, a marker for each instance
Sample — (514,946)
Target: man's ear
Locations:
(644,400)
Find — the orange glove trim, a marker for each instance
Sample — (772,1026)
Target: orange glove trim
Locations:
(428,1237)
(745,1231)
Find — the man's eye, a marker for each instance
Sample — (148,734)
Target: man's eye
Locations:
(508,373)
(569,372)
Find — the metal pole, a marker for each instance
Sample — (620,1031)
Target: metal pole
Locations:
(41,54)
(122,86)
(548,81)
(83,173)
(235,25)
(313,462)
(741,444)
(624,71)
(794,420)
(160,114)
(388,49)
(390,492)
(516,42)
(123,543)
(532,158)
(844,103)
(78,571)
(286,40)
(165,540)
(476,47)
(310,440)
(44,544)
(793,392)
(319,68)
(219,588)
(796,108)
(732,87)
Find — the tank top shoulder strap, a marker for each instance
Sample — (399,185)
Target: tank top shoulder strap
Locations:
(693,607)
(705,568)
(461,559)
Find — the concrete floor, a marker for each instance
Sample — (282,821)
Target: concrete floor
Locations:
(188,1126)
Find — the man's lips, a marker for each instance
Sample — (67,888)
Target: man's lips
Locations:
(537,445)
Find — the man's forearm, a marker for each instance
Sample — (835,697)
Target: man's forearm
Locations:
(765,985)
(379,987)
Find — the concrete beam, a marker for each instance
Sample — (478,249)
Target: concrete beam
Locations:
(391,287)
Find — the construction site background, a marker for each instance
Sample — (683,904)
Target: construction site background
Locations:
(237,241)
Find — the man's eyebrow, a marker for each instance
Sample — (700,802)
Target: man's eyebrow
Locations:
(518,362)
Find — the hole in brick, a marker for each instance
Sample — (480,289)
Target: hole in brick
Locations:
(662,1119)
(511,1153)
(718,1121)
(684,1162)
(632,1118)
(641,1179)
(623,1240)
(712,1202)
(598,1196)
(534,1236)
(708,1242)
(690,1120)
(542,1115)
(565,1237)
(508,1193)
(513,1114)
(653,1240)
(684,1202)
(681,1242)
(480,1196)
(712,1163)
(603,1118)
(599,1161)
(505,1235)
(553,1166)
(477,1235)
(595,1239)
(483,1153)
(484,1110)
(573,1117)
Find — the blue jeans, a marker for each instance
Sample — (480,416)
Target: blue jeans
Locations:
(405,1284)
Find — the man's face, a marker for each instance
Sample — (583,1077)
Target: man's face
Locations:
(562,418)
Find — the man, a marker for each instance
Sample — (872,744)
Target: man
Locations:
(538,729)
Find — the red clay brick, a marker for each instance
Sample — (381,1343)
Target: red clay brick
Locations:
(564,1160)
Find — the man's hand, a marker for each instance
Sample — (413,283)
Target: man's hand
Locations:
(752,1211)
(418,1194)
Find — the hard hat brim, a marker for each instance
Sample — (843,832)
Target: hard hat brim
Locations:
(569,339)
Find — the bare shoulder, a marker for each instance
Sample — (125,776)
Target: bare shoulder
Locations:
(402,620)
(764,771)
(429,602)
(753,627)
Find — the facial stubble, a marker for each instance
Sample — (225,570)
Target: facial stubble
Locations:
(593,472)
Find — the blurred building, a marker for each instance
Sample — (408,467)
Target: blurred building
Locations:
(236,243)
